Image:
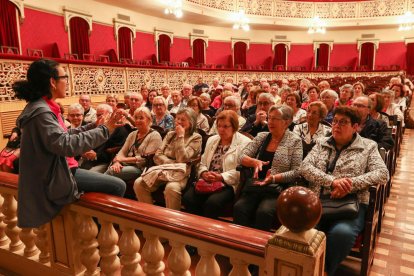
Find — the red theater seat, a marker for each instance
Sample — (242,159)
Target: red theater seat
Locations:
(9,50)
(71,56)
(35,52)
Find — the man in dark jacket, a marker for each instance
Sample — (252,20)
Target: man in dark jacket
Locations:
(370,128)
(258,122)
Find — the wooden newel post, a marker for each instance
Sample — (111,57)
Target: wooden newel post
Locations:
(296,249)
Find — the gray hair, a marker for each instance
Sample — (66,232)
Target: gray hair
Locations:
(285,110)
(186,85)
(115,96)
(347,86)
(165,86)
(205,95)
(105,107)
(164,101)
(127,95)
(191,116)
(368,99)
(330,93)
(389,92)
(235,99)
(75,106)
(144,110)
(267,96)
(285,88)
(305,81)
(139,95)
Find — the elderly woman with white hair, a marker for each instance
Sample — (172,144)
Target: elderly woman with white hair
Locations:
(230,103)
(328,97)
(206,109)
(75,115)
(389,106)
(161,116)
(179,148)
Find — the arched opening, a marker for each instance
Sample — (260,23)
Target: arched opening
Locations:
(79,36)
(239,55)
(199,51)
(9,34)
(322,57)
(367,53)
(124,43)
(164,43)
(280,57)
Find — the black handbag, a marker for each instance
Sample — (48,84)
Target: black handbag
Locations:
(339,208)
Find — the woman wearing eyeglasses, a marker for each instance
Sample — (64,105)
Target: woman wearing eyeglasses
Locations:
(49,175)
(338,165)
(161,117)
(196,105)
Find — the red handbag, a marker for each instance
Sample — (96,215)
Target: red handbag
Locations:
(204,187)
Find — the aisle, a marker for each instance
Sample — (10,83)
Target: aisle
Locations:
(394,254)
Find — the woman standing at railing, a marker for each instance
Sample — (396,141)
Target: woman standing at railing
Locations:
(49,175)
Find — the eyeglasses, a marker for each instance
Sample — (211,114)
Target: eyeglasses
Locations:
(66,77)
(263,103)
(359,105)
(158,105)
(133,99)
(325,98)
(340,122)
(75,115)
(271,118)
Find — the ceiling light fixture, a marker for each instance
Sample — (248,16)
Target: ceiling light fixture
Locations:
(173,7)
(317,26)
(240,21)
(406,22)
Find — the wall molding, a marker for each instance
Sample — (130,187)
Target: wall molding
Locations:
(362,41)
(70,13)
(158,32)
(275,42)
(316,44)
(244,40)
(20,7)
(195,37)
(120,24)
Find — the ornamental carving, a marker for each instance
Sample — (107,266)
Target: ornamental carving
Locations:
(220,4)
(257,7)
(101,80)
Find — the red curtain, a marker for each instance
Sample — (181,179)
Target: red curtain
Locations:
(323,56)
(240,49)
(125,43)
(410,58)
(198,51)
(8,24)
(79,36)
(367,55)
(280,55)
(164,43)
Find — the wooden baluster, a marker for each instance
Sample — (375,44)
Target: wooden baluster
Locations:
(207,265)
(179,260)
(239,268)
(153,253)
(3,238)
(42,243)
(28,238)
(12,231)
(90,254)
(129,246)
(108,249)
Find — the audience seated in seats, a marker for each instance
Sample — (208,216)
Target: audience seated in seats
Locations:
(252,110)
(230,103)
(200,87)
(250,101)
(131,160)
(49,177)
(9,155)
(226,93)
(214,86)
(89,113)
(274,90)
(346,92)
(178,148)
(216,92)
(323,85)
(177,104)
(144,93)
(218,164)
(370,128)
(165,92)
(218,100)
(62,112)
(187,93)
(390,108)
(151,95)
(303,90)
(127,95)
(112,101)
(244,88)
(258,122)
(399,98)
(275,157)
(376,109)
(359,89)
(313,94)
(341,164)
(299,115)
(266,87)
(313,129)
(161,116)
(75,115)
(98,159)
(329,97)
(202,122)
(206,109)
(284,91)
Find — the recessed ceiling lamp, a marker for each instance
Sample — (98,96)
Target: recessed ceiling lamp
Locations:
(240,21)
(173,7)
(406,21)
(317,26)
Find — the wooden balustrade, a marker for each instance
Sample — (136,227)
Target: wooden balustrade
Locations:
(73,244)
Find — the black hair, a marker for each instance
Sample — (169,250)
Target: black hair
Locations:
(37,84)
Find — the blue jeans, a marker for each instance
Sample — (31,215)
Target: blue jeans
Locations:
(340,238)
(127,173)
(89,181)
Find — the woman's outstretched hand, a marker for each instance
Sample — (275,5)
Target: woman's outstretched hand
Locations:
(110,120)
